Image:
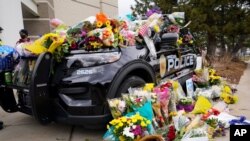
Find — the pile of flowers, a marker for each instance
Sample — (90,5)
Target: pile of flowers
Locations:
(168,112)
(129,128)
(227,96)
(102,32)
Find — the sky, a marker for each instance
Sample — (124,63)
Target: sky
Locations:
(124,7)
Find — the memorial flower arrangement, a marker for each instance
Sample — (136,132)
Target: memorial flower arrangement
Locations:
(213,78)
(227,96)
(186,104)
(117,107)
(129,128)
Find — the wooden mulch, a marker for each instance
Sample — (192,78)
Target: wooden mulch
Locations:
(231,69)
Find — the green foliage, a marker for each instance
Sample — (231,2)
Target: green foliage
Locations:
(215,23)
(141,7)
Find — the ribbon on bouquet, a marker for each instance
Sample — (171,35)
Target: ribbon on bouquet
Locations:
(240,121)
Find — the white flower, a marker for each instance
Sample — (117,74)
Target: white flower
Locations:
(121,106)
(126,132)
(111,103)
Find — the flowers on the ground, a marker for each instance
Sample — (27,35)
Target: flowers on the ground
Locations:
(227,96)
(213,78)
(117,107)
(130,128)
(185,103)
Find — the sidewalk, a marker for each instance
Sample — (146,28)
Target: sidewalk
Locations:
(242,108)
(22,127)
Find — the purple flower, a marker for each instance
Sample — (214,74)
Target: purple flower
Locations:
(153,10)
(187,108)
(137,130)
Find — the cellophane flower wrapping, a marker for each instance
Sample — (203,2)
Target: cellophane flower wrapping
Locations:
(196,134)
(202,105)
(117,107)
(163,97)
(180,120)
(127,128)
(185,104)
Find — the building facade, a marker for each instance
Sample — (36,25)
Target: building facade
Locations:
(34,15)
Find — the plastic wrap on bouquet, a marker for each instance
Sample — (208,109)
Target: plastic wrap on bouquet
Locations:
(117,107)
(22,51)
(180,121)
(163,97)
(133,126)
(22,72)
(196,134)
(150,44)
(8,58)
(48,42)
(172,102)
(202,105)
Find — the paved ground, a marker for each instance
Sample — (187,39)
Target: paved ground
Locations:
(21,127)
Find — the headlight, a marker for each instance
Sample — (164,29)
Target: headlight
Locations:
(92,59)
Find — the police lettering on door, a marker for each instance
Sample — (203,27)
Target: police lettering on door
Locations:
(177,63)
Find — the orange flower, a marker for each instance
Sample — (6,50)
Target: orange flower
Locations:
(101,17)
(106,34)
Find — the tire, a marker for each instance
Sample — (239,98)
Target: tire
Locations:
(131,81)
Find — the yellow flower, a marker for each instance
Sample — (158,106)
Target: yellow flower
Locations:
(235,98)
(175,85)
(96,44)
(156,28)
(143,124)
(99,24)
(107,126)
(148,121)
(191,42)
(148,87)
(114,122)
(120,124)
(123,119)
(172,114)
(134,120)
(227,89)
(107,23)
(128,121)
(211,71)
(179,41)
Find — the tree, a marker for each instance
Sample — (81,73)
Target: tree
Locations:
(222,23)
(141,7)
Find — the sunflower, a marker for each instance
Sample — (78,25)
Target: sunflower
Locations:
(99,24)
(107,23)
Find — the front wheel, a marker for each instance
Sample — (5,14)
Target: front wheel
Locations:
(130,81)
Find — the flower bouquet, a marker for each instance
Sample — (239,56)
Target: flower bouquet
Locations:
(128,128)
(163,97)
(117,107)
(137,103)
(229,98)
(196,134)
(202,105)
(199,81)
(213,78)
(186,104)
(218,127)
(168,132)
(180,120)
